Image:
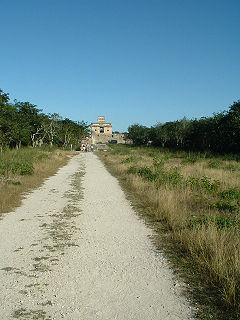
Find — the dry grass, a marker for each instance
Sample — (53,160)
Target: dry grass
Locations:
(207,233)
(13,187)
(227,178)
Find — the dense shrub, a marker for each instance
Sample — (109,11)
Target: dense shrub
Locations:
(219,134)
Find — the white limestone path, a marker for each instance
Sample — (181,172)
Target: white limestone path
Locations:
(76,249)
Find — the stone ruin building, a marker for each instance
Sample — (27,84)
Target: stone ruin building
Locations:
(101,132)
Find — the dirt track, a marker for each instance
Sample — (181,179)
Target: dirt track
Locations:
(75,249)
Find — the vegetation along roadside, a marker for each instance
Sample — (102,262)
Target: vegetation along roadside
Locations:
(24,169)
(194,202)
(33,145)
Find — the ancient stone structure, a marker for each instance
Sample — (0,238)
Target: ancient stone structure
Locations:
(101,132)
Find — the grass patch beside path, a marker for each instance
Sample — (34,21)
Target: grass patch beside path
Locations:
(194,204)
(25,169)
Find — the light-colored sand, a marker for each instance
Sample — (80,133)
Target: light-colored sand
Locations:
(75,249)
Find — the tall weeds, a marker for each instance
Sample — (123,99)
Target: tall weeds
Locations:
(197,199)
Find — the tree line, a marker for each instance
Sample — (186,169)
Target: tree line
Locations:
(24,124)
(219,133)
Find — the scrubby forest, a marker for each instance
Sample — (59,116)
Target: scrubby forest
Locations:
(24,124)
(219,133)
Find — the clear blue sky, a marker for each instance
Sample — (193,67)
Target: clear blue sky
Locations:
(134,61)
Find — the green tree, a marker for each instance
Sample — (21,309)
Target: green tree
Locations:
(139,134)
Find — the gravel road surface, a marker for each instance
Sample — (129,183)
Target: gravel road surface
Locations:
(75,249)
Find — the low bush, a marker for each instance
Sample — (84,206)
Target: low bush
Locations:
(231,194)
(219,221)
(225,205)
(214,164)
(197,183)
(22,168)
(128,160)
